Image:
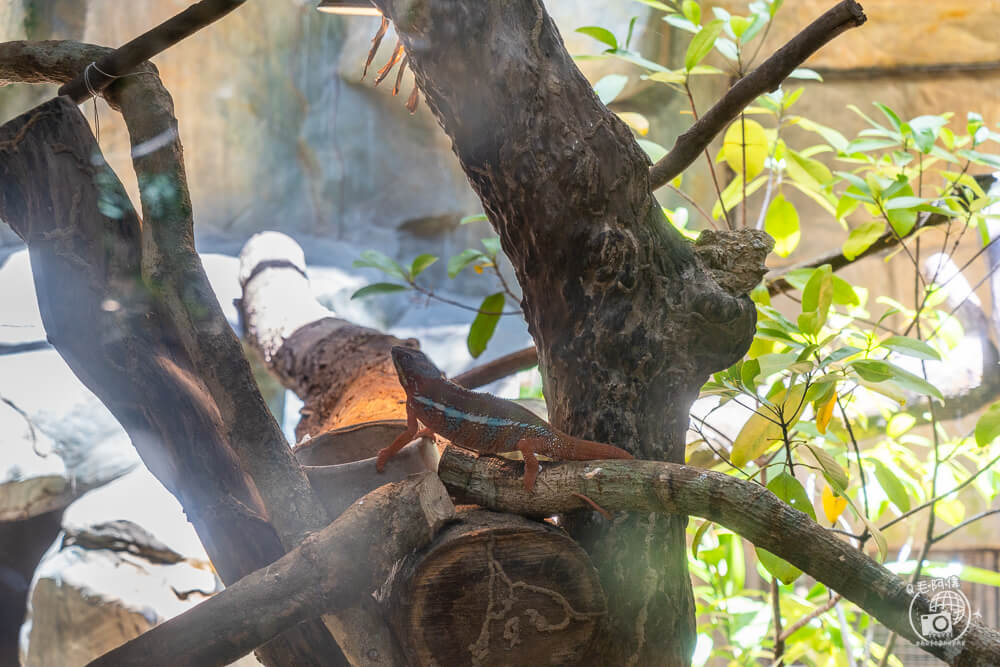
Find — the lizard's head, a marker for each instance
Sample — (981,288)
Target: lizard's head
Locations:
(412,366)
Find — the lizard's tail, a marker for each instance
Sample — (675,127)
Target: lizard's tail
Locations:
(585,450)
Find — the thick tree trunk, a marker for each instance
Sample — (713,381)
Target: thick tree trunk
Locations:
(628,318)
(108,326)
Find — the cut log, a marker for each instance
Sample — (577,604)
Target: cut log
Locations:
(494,589)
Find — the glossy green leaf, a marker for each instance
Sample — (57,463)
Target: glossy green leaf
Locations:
(782,223)
(600,34)
(760,433)
(462,260)
(893,488)
(479,217)
(790,490)
(654,150)
(691,11)
(420,264)
(702,43)
(899,424)
(872,370)
(492,246)
(988,426)
(914,383)
(861,238)
(378,288)
(376,260)
(832,470)
(485,323)
(779,568)
(911,347)
(816,300)
(610,87)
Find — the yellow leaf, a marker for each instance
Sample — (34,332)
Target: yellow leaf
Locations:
(761,432)
(636,121)
(825,413)
(833,506)
(748,134)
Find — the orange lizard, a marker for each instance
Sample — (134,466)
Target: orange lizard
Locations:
(479,421)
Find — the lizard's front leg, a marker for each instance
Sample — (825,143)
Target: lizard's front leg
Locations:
(404,438)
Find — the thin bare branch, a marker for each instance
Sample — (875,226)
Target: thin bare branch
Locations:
(844,16)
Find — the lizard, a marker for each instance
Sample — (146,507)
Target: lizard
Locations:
(479,421)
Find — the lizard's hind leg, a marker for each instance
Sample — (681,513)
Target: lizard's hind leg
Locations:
(527,447)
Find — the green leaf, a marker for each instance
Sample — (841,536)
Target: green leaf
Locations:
(899,424)
(378,288)
(805,74)
(757,436)
(760,433)
(779,568)
(833,471)
(691,11)
(914,383)
(702,43)
(479,217)
(911,347)
(782,222)
(600,34)
(992,161)
(790,490)
(925,131)
(492,246)
(610,87)
(894,120)
(877,537)
(808,171)
(654,150)
(832,137)
(893,488)
(816,300)
(462,260)
(420,263)
(872,370)
(376,260)
(988,426)
(861,238)
(749,371)
(485,323)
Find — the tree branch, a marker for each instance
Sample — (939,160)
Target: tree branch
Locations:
(844,16)
(837,260)
(498,369)
(743,507)
(93,79)
(330,571)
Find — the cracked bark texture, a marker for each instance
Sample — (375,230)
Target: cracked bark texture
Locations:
(628,319)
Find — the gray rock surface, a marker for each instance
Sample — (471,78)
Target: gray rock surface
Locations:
(126,561)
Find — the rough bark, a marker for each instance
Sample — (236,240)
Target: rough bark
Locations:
(169,262)
(340,370)
(111,330)
(744,507)
(628,320)
(348,560)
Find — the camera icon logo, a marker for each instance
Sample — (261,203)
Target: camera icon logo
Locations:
(945,615)
(938,623)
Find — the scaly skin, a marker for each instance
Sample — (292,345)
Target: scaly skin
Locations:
(480,422)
